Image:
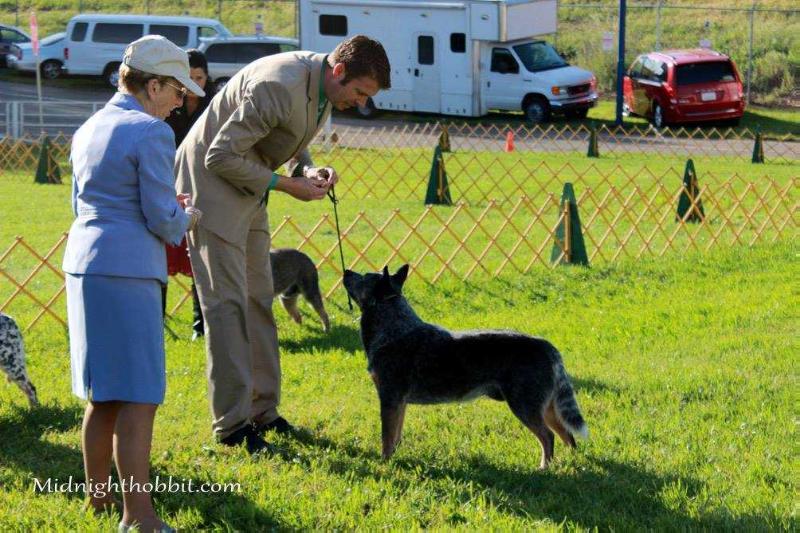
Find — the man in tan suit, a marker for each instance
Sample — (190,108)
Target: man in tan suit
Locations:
(266,115)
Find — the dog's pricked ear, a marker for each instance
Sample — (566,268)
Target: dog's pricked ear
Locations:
(386,271)
(400,276)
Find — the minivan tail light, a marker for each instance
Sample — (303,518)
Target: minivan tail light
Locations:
(66,54)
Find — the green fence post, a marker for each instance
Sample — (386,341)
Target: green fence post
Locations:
(569,247)
(438,190)
(593,150)
(690,197)
(758,147)
(47,170)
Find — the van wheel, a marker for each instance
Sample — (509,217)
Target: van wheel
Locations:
(537,110)
(51,69)
(367,111)
(111,74)
(220,83)
(658,117)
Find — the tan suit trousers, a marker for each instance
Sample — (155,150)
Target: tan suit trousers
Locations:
(234,285)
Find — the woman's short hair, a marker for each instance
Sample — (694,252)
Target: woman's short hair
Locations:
(134,80)
(197,59)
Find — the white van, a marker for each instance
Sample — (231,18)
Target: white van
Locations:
(95,43)
(459,57)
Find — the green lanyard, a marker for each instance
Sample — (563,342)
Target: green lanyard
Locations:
(323,101)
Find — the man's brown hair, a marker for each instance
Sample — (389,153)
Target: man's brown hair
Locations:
(361,57)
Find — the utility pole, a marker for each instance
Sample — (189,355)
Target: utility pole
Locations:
(620,60)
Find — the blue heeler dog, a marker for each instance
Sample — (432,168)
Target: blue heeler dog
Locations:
(412,361)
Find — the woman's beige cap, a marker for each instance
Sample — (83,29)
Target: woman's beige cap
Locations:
(155,54)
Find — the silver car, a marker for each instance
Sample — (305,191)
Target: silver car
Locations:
(227,55)
(51,56)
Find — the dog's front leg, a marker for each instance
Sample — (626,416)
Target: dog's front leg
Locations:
(391,425)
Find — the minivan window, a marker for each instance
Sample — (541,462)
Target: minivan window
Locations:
(117,33)
(79,31)
(333,25)
(503,61)
(12,36)
(714,71)
(636,69)
(538,56)
(247,52)
(654,70)
(221,53)
(177,34)
(288,48)
(207,31)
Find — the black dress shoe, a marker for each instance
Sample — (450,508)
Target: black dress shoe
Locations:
(247,435)
(279,425)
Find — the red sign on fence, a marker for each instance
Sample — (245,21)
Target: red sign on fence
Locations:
(34,34)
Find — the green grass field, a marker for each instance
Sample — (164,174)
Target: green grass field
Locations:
(683,368)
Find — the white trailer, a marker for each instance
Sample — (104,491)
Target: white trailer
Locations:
(458,57)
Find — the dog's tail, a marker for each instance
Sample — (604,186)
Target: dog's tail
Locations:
(566,406)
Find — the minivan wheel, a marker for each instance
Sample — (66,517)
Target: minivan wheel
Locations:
(367,111)
(51,69)
(537,111)
(658,117)
(220,83)
(111,74)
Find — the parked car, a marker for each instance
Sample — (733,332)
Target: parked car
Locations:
(10,38)
(680,86)
(51,56)
(227,55)
(95,43)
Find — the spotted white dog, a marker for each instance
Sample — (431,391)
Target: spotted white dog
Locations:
(12,357)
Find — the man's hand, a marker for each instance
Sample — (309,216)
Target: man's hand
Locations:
(322,173)
(304,189)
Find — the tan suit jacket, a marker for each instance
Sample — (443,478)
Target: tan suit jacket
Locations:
(266,114)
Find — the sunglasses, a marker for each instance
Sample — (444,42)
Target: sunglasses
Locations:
(182,90)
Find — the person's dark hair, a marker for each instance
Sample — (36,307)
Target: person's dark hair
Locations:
(197,59)
(361,57)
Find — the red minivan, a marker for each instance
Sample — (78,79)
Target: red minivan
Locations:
(680,86)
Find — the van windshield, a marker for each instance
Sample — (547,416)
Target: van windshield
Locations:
(538,56)
(709,72)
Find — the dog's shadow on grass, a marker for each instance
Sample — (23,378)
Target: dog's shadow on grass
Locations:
(23,448)
(609,495)
(340,337)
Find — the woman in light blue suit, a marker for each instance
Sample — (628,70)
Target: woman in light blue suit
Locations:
(123,197)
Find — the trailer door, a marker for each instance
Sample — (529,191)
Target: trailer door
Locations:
(427,88)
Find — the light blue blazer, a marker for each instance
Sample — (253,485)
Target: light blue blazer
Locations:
(123,194)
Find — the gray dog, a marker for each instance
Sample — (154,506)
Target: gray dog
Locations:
(12,357)
(412,361)
(293,274)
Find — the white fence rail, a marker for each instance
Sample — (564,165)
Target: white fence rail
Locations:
(21,118)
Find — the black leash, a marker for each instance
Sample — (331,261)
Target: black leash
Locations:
(334,201)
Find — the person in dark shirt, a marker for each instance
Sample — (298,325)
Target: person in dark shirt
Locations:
(181,121)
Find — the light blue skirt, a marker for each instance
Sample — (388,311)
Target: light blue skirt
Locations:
(116,338)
